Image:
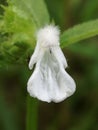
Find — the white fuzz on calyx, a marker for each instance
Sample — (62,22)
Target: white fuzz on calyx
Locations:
(49,81)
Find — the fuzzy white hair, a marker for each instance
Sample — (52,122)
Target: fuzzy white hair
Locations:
(49,35)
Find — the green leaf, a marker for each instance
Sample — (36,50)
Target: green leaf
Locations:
(79,32)
(34,9)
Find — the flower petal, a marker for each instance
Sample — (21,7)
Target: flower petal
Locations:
(56,50)
(37,87)
(50,82)
(34,57)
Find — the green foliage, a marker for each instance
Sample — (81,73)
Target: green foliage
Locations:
(18,25)
(34,9)
(79,32)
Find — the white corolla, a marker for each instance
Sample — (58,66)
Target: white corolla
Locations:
(49,81)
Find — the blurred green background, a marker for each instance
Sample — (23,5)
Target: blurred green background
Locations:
(80,111)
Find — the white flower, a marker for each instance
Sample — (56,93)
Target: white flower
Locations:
(49,81)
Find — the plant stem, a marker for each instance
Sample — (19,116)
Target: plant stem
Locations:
(32,114)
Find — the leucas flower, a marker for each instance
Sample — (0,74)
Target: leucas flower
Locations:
(49,81)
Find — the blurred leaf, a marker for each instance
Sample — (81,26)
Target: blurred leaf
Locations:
(57,13)
(89,10)
(6,116)
(86,122)
(85,49)
(18,26)
(34,9)
(79,32)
